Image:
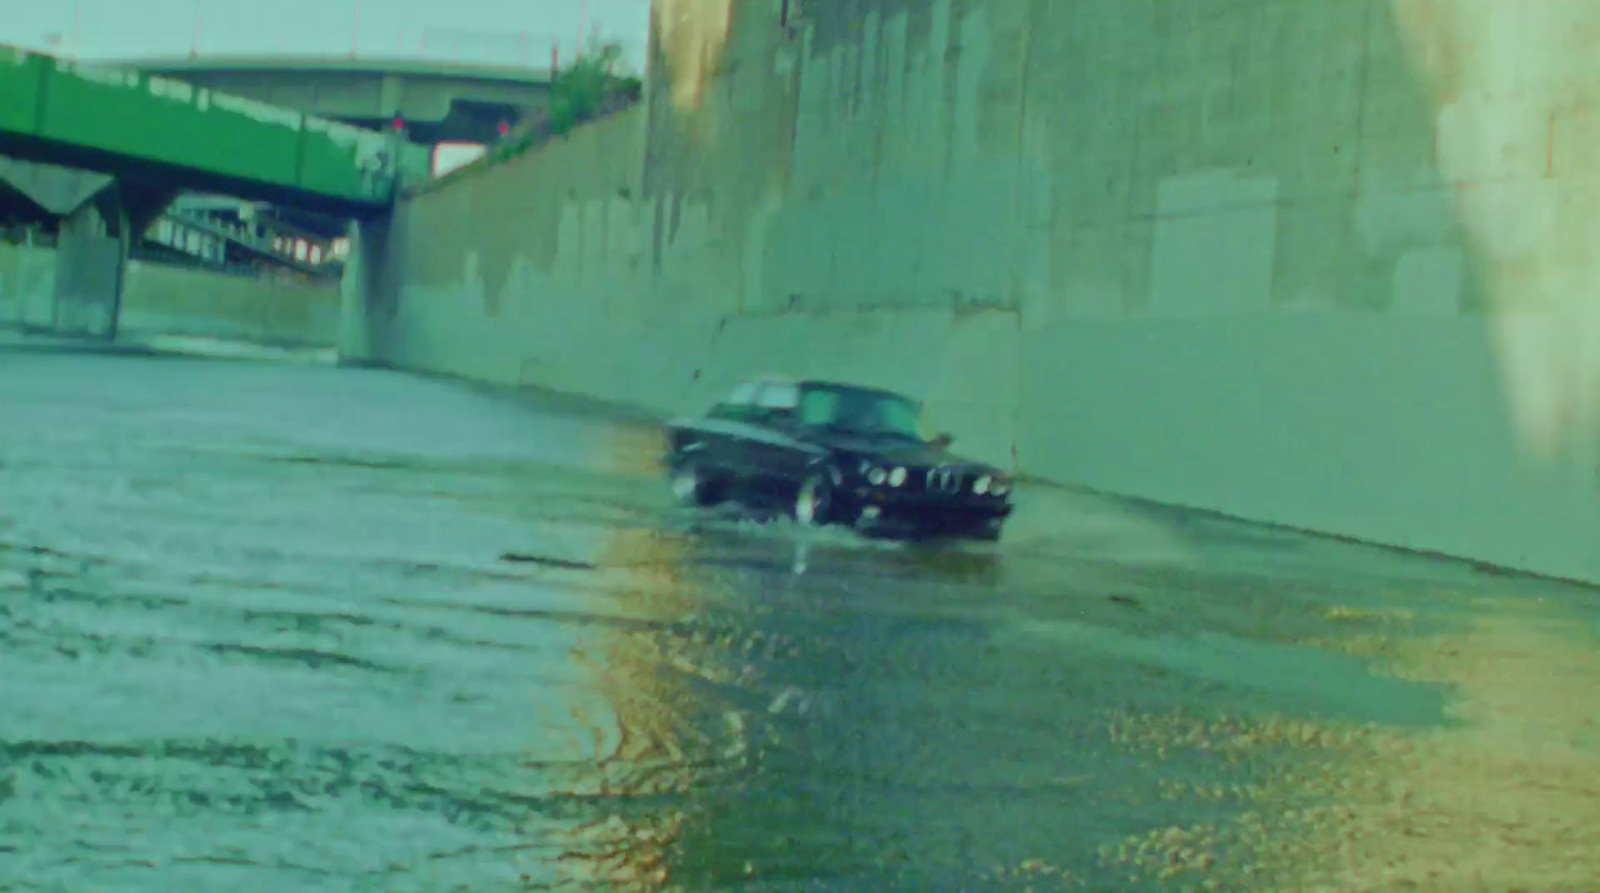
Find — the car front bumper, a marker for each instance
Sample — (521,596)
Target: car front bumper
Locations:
(881,510)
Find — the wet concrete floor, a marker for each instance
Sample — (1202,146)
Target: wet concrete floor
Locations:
(270,626)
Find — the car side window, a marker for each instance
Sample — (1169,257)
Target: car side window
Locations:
(818,407)
(776,403)
(743,395)
(738,406)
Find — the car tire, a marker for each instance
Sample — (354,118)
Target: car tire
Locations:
(813,501)
(691,485)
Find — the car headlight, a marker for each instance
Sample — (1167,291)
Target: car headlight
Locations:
(897,477)
(981,485)
(877,476)
(1000,487)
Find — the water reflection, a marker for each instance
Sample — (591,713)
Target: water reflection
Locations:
(654,728)
(655,745)
(783,684)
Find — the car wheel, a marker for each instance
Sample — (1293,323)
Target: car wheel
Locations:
(691,485)
(813,502)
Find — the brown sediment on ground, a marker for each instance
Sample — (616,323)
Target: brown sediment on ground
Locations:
(1505,798)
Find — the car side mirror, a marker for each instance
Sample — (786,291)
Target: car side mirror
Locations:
(942,440)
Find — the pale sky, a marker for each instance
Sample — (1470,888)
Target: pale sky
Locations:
(490,31)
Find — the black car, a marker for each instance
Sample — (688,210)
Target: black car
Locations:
(835,454)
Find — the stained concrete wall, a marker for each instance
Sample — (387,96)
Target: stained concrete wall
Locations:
(158,299)
(27,285)
(1202,253)
(543,272)
(169,300)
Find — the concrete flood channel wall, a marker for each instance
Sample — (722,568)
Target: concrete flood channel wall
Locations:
(168,300)
(158,299)
(27,286)
(1235,287)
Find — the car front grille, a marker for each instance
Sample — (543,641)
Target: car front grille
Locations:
(941,481)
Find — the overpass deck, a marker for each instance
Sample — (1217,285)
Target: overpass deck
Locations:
(167,132)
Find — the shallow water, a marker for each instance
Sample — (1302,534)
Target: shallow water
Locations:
(290,627)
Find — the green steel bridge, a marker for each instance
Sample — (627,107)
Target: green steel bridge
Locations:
(113,147)
(163,135)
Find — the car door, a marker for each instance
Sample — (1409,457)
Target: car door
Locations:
(780,457)
(721,438)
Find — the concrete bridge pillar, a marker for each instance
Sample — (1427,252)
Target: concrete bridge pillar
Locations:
(91,257)
(97,219)
(366,306)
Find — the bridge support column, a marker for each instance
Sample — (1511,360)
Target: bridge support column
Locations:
(91,257)
(366,305)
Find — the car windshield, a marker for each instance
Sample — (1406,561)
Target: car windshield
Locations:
(870,413)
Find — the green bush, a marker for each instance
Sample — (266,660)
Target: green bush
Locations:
(588,87)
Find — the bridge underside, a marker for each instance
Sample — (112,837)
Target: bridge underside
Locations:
(147,176)
(467,122)
(18,208)
(97,220)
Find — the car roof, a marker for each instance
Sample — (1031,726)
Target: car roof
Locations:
(849,386)
(821,383)
(772,379)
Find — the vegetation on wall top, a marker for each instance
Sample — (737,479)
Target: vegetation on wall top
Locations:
(590,87)
(594,86)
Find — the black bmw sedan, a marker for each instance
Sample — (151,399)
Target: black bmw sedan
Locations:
(835,454)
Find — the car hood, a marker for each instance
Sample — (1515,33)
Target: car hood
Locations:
(893,452)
